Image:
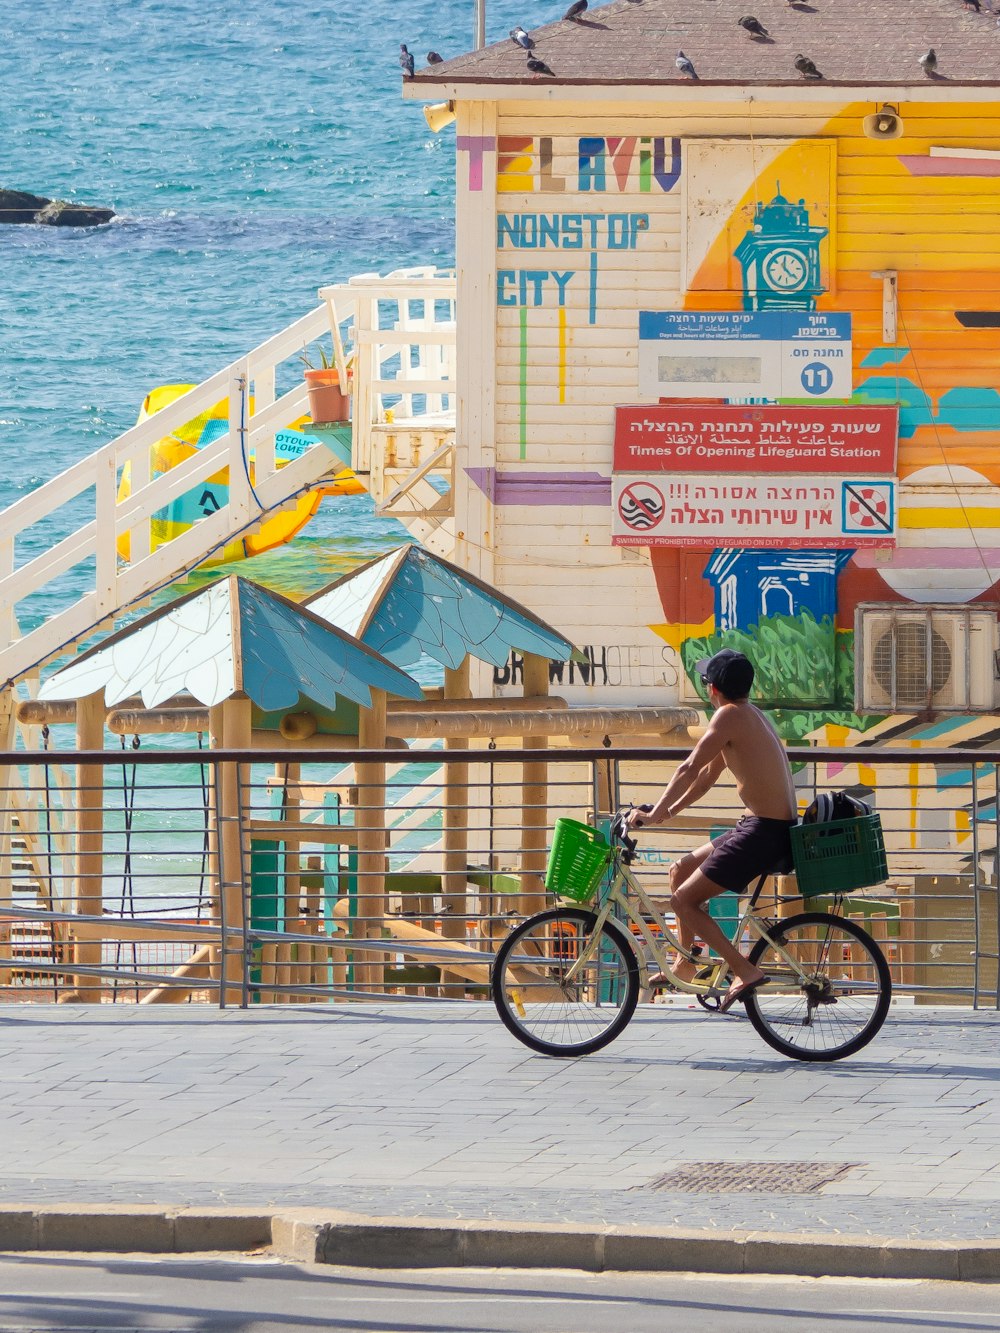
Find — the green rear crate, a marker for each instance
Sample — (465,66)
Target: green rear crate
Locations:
(839,856)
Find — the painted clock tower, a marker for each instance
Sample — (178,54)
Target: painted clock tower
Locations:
(780,258)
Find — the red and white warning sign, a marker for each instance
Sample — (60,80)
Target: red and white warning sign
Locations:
(752,510)
(868,507)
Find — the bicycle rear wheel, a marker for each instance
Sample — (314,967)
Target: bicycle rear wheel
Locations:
(547,1009)
(843,1003)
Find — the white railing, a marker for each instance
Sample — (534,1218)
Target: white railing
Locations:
(401,353)
(374,330)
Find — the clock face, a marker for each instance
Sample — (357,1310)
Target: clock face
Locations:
(785,269)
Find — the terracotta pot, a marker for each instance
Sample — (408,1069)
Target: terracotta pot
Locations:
(326,401)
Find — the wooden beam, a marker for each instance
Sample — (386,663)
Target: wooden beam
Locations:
(369,821)
(456,819)
(88,890)
(534,800)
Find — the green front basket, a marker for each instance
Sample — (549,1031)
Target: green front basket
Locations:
(578,860)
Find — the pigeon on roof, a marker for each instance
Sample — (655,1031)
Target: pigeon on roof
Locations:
(928,61)
(406,61)
(539,66)
(806,68)
(434,59)
(685,66)
(577,8)
(522,38)
(753,26)
(620,43)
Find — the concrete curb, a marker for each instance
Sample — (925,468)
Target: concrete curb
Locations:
(404,1243)
(330,1237)
(132,1228)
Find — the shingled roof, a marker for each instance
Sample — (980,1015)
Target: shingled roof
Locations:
(852,42)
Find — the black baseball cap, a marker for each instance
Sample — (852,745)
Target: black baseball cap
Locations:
(729,671)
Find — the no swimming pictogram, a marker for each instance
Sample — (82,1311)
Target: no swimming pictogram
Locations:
(641,505)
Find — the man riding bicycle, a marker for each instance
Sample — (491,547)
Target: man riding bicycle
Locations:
(739,737)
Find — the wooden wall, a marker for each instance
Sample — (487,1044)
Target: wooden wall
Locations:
(564,319)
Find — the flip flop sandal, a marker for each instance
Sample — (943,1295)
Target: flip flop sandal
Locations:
(740,994)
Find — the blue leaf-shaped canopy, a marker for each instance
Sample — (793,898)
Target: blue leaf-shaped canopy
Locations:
(229,638)
(410,602)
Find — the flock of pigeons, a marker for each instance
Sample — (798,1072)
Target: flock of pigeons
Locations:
(685,67)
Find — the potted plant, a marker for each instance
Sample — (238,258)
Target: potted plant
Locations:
(327,399)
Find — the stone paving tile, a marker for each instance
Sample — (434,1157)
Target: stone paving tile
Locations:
(433,1109)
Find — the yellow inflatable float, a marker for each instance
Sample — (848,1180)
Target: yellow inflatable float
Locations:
(210,495)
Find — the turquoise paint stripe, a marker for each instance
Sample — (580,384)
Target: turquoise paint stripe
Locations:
(523,418)
(962,777)
(935,729)
(593,287)
(886,356)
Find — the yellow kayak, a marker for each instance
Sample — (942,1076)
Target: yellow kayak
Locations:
(211,495)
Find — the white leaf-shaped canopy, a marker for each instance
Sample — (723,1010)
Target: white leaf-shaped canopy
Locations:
(410,602)
(233,637)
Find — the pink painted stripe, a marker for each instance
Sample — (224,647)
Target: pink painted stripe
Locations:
(950,166)
(935,557)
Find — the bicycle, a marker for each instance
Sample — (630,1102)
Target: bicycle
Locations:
(567,981)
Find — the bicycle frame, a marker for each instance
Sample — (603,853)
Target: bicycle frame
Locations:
(640,905)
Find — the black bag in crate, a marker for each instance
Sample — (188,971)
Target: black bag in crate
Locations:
(830,805)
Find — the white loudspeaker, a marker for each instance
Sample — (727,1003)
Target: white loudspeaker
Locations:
(884,124)
(438,115)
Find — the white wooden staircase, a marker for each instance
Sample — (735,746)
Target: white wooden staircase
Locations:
(396,336)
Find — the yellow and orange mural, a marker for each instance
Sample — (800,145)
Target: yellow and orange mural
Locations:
(898,235)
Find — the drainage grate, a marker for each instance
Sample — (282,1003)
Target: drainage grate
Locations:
(752,1177)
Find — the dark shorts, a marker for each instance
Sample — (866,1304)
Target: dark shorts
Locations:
(748,850)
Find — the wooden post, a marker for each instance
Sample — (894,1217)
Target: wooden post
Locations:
(906,940)
(236,736)
(292,885)
(8,702)
(88,894)
(216,740)
(456,825)
(369,820)
(534,799)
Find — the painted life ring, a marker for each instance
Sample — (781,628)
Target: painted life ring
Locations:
(211,494)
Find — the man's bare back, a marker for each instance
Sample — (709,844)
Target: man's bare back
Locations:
(754,754)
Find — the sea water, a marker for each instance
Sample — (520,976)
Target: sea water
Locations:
(253,152)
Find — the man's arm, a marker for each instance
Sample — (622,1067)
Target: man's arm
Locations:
(692,778)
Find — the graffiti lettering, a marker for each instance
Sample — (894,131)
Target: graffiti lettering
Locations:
(570,231)
(613,665)
(527,286)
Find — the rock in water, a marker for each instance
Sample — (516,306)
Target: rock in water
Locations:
(19,206)
(60,213)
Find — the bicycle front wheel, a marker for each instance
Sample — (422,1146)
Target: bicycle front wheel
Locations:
(840,1003)
(560,989)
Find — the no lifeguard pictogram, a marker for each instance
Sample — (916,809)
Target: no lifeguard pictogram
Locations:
(868,507)
(641,505)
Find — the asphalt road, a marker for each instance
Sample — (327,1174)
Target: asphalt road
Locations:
(47,1292)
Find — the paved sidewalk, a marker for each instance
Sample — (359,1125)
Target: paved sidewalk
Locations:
(425,1109)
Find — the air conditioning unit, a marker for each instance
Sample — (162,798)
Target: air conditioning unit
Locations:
(935,656)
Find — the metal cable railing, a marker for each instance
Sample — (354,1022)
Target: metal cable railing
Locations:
(263,877)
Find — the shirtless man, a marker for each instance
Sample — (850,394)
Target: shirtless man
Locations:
(740,738)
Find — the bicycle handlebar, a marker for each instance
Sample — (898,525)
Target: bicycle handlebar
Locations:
(619,835)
